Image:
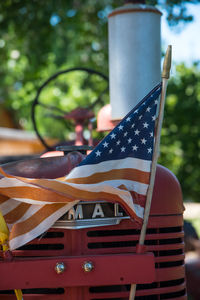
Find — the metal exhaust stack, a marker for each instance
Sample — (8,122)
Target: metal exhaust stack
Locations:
(134,55)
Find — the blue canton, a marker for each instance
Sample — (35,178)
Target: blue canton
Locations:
(133,136)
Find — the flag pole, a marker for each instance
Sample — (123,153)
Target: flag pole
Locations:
(165,77)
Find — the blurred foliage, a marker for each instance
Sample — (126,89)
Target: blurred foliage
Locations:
(39,38)
(196,224)
(180,144)
(76,88)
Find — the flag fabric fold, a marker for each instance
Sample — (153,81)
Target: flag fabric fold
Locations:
(117,170)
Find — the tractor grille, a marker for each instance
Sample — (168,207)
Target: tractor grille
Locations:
(167,245)
(165,241)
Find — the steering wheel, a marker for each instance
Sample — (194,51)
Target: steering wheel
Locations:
(79,115)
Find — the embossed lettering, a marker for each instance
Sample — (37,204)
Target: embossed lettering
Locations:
(75,214)
(98,212)
(117,213)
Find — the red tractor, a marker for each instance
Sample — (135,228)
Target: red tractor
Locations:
(91,252)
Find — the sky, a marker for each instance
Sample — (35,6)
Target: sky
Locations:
(185,42)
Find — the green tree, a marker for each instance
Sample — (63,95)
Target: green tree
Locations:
(180,143)
(39,38)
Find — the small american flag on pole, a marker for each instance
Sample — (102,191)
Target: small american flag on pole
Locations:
(117,170)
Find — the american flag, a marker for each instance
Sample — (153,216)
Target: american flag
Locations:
(117,170)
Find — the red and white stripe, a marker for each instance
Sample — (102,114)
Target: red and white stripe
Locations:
(31,206)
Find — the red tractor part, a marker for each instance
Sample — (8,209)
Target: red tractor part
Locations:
(104,122)
(100,262)
(79,116)
(52,154)
(45,167)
